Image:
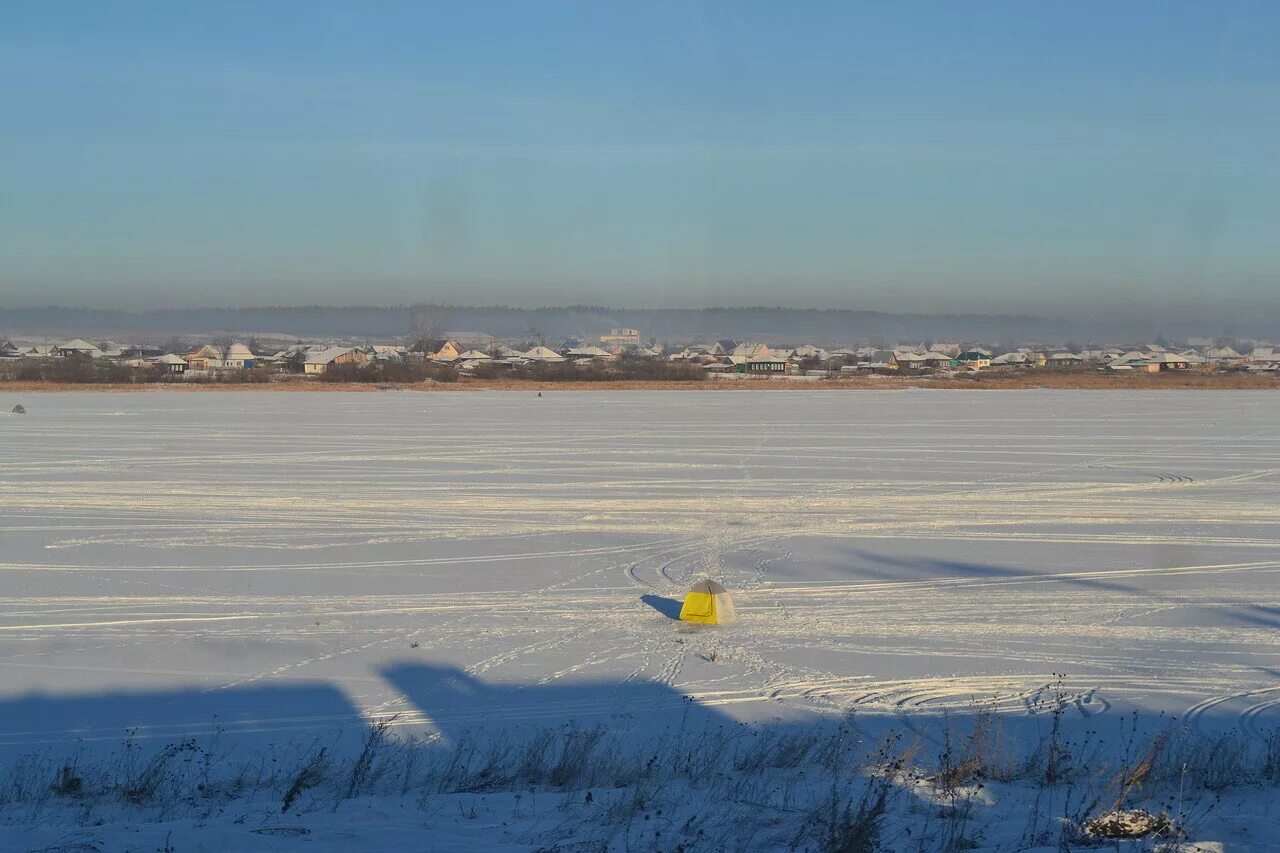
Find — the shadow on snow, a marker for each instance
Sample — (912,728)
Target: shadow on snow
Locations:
(668,607)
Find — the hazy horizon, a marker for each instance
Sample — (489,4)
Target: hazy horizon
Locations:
(772,323)
(1214,319)
(1085,160)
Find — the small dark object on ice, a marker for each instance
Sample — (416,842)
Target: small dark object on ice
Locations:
(539,393)
(19,410)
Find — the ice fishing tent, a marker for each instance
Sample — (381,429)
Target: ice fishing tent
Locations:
(709,603)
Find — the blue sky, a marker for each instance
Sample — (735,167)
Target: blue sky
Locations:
(1074,157)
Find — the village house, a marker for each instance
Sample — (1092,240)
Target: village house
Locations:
(1149,362)
(885,359)
(1127,361)
(320,362)
(78,349)
(768,364)
(621,337)
(448,351)
(974,359)
(1021,357)
(436,349)
(1190,359)
(809,352)
(1064,360)
(911,360)
(473,358)
(238,357)
(1260,359)
(204,358)
(746,351)
(936,360)
(542,354)
(1266,361)
(1010,359)
(588,353)
(1222,355)
(171,364)
(386,353)
(141,351)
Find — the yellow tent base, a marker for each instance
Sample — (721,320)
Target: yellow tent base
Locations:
(699,607)
(708,603)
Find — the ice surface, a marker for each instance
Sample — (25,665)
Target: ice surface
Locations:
(272,559)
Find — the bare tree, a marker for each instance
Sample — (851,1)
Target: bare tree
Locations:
(428,322)
(1227,341)
(296,360)
(222,345)
(175,345)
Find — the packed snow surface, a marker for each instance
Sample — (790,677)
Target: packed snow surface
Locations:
(281,564)
(894,553)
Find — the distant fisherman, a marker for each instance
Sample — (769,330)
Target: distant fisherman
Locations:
(18,410)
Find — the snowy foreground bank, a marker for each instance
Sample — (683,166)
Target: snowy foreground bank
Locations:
(434,622)
(828,787)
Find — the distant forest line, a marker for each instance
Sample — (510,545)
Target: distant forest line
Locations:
(664,324)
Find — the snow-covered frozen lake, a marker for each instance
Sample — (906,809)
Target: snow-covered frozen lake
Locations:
(290,562)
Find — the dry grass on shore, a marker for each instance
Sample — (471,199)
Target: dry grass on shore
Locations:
(834,788)
(988,380)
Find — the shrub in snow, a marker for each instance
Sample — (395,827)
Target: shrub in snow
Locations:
(1131,823)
